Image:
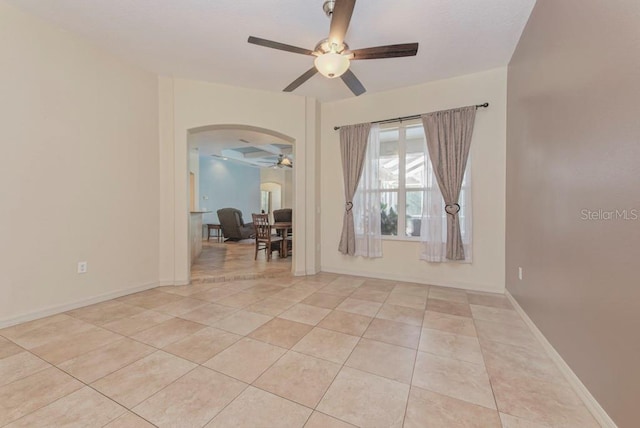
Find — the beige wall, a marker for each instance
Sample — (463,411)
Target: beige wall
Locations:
(573,145)
(185,105)
(400,259)
(78,171)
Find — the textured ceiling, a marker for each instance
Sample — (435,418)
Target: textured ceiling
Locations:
(207,39)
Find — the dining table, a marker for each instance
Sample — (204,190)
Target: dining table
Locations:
(282,226)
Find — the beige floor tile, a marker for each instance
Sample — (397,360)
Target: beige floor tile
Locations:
(203,344)
(306,314)
(363,293)
(514,333)
(401,314)
(487,313)
(449,307)
(281,332)
(105,312)
(41,332)
(327,344)
(294,294)
(100,362)
(20,329)
(150,299)
(454,378)
(134,324)
(450,294)
(191,401)
(324,300)
(257,408)
(82,408)
(429,409)
(215,294)
(8,348)
(363,399)
(180,307)
(509,421)
(493,300)
(271,306)
(449,323)
(360,307)
(407,300)
(242,322)
(378,285)
(73,345)
(395,333)
(18,366)
(541,402)
(136,382)
(345,322)
(382,359)
(419,290)
(320,420)
(240,300)
(209,314)
(300,378)
(339,288)
(28,394)
(524,361)
(451,345)
(167,332)
(246,359)
(129,420)
(187,290)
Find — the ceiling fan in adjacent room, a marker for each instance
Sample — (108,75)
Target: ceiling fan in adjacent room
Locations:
(333,55)
(283,162)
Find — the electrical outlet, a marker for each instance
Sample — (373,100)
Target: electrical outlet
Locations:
(520,273)
(82,267)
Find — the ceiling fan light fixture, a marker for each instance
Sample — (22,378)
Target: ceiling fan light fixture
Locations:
(332,64)
(286,161)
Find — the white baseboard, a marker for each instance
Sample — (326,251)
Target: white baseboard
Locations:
(589,401)
(418,280)
(53,310)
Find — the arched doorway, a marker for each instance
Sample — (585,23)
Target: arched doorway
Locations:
(230,163)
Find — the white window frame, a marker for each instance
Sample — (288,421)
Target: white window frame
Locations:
(402,177)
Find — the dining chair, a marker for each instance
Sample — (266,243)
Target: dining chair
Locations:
(264,239)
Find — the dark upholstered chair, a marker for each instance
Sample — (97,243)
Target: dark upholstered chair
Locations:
(233,227)
(283,215)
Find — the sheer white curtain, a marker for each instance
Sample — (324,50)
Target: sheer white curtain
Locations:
(366,201)
(433,231)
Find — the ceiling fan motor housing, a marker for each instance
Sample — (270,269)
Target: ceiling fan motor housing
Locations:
(328,7)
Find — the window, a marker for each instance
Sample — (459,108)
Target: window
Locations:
(404,182)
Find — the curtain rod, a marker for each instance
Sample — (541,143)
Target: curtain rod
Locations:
(415,116)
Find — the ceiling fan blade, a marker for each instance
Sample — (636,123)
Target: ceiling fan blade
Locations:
(300,80)
(280,46)
(353,83)
(389,51)
(340,19)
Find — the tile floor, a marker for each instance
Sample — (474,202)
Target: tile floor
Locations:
(234,260)
(319,351)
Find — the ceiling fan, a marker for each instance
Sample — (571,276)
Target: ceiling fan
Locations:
(283,162)
(333,55)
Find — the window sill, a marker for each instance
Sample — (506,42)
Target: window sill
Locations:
(401,238)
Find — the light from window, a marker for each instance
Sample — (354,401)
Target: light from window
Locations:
(403,182)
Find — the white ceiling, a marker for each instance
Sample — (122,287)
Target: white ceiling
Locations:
(207,39)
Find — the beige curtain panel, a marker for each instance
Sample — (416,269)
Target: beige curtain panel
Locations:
(448,140)
(353,147)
